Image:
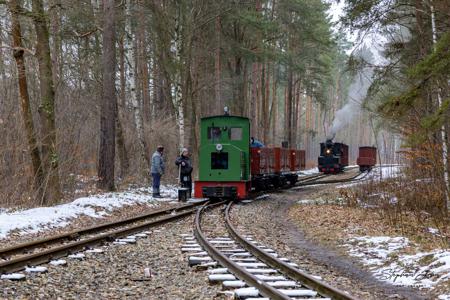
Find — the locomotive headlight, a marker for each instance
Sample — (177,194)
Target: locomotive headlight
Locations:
(328,151)
(219,147)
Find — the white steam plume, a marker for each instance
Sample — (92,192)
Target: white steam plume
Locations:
(356,94)
(343,117)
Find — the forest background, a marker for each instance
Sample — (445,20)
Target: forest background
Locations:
(89,88)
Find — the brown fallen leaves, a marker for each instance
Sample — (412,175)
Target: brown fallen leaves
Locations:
(333,224)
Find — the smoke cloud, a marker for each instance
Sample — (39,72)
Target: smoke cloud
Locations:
(356,94)
(343,117)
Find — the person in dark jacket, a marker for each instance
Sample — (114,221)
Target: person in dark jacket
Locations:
(157,170)
(185,170)
(254,143)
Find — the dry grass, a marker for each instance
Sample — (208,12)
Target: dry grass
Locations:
(332,224)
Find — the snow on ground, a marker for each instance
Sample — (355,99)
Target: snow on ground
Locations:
(321,201)
(380,172)
(97,206)
(309,172)
(386,259)
(386,171)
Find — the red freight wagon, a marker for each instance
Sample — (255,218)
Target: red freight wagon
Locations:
(367,158)
(255,161)
(285,158)
(282,157)
(262,161)
(277,159)
(266,165)
(293,160)
(297,160)
(271,167)
(301,158)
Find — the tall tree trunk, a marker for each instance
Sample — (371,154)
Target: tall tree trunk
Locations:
(2,59)
(108,105)
(274,110)
(55,25)
(52,191)
(132,70)
(308,125)
(295,113)
(217,69)
(442,129)
(123,83)
(289,107)
(142,62)
(264,102)
(18,53)
(121,148)
(253,113)
(178,81)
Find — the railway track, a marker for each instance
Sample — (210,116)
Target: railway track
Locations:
(17,257)
(318,180)
(311,178)
(255,272)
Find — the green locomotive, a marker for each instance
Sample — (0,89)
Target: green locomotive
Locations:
(224,169)
(230,167)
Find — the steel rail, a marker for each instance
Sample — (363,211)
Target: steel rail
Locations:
(295,274)
(23,247)
(17,264)
(311,178)
(316,182)
(265,289)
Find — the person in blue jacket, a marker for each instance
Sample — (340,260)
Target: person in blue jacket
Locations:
(255,143)
(157,170)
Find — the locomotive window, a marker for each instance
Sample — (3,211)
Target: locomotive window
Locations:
(219,160)
(235,134)
(213,133)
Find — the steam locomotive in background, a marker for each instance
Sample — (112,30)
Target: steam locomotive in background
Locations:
(334,157)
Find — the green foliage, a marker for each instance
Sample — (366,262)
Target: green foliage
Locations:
(435,121)
(435,64)
(423,74)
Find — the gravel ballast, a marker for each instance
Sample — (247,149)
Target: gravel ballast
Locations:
(118,272)
(267,220)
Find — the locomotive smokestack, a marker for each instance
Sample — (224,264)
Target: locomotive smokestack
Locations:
(226,111)
(331,137)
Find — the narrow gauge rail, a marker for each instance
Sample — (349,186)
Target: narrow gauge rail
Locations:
(317,181)
(311,178)
(314,179)
(45,254)
(263,288)
(293,273)
(40,256)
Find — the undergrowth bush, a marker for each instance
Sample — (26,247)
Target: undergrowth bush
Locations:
(415,193)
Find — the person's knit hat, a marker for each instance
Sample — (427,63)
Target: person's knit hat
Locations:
(184,150)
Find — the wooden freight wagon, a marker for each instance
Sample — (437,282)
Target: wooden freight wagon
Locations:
(297,160)
(367,158)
